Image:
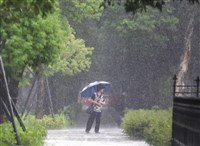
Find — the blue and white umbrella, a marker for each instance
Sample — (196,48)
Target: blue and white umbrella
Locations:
(88,90)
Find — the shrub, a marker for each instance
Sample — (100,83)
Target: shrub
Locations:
(6,135)
(60,121)
(32,137)
(160,129)
(35,133)
(134,123)
(153,126)
(72,110)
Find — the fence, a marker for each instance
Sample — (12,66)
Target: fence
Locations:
(186,115)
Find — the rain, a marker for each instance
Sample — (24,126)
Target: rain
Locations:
(56,50)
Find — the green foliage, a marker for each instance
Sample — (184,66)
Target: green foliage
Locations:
(36,130)
(45,45)
(79,10)
(135,6)
(147,31)
(33,136)
(139,49)
(160,129)
(135,122)
(32,42)
(72,110)
(12,11)
(6,135)
(150,23)
(60,121)
(153,126)
(74,58)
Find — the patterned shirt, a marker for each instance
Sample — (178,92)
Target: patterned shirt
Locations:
(97,98)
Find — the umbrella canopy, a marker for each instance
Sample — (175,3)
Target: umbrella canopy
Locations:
(88,90)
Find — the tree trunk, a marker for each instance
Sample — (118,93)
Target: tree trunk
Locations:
(40,98)
(185,58)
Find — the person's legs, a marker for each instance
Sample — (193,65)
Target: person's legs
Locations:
(98,120)
(90,121)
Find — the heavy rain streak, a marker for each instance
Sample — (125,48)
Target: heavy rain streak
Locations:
(135,63)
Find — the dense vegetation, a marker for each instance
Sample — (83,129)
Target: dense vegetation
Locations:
(154,126)
(38,44)
(36,130)
(138,54)
(140,5)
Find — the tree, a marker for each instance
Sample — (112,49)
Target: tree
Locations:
(45,45)
(135,6)
(132,50)
(78,10)
(136,53)
(63,86)
(12,11)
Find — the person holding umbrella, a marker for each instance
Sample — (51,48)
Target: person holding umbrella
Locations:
(97,101)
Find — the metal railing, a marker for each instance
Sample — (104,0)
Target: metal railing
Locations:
(186,115)
(186,90)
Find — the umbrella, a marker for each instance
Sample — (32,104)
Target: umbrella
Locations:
(88,90)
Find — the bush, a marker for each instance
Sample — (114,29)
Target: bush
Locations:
(72,110)
(60,121)
(7,138)
(32,137)
(153,126)
(134,123)
(35,133)
(160,129)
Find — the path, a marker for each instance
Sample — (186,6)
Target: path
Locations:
(77,137)
(110,133)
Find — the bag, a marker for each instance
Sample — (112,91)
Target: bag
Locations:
(90,109)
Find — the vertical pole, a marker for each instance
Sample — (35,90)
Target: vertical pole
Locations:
(174,86)
(197,80)
(18,117)
(5,109)
(10,105)
(174,95)
(29,108)
(50,99)
(28,97)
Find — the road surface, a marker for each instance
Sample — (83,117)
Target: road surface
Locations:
(78,137)
(110,133)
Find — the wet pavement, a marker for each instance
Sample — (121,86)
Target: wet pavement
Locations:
(110,133)
(78,137)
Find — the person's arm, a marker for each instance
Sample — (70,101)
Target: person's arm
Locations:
(103,102)
(92,100)
(95,102)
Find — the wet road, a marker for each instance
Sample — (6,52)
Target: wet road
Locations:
(77,137)
(110,133)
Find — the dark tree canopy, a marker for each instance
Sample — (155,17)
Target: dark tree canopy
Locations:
(140,5)
(11,10)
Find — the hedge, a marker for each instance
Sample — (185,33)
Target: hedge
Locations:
(153,126)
